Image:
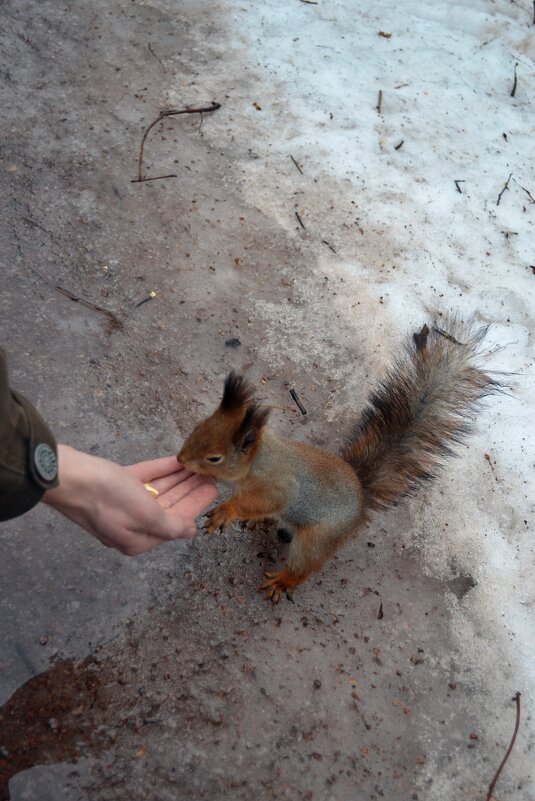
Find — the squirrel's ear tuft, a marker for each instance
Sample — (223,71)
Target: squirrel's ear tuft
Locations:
(254,421)
(420,339)
(237,392)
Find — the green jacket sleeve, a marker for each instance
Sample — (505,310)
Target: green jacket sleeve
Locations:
(28,454)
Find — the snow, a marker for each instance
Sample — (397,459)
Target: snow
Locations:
(408,240)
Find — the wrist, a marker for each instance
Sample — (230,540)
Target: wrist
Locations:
(72,479)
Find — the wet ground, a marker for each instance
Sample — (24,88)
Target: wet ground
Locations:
(169,676)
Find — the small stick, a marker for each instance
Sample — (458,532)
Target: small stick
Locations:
(457,182)
(399,145)
(294,395)
(281,408)
(380,613)
(153,178)
(144,300)
(170,112)
(534,12)
(297,165)
(379,101)
(528,193)
(506,757)
(151,51)
(150,296)
(140,303)
(114,320)
(36,225)
(300,221)
(513,90)
(88,305)
(324,241)
(505,186)
(309,2)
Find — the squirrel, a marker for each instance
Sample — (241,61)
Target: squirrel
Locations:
(425,405)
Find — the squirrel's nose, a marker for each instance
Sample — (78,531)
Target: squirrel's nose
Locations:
(189,464)
(182,458)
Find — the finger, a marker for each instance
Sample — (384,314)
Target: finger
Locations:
(195,503)
(155,468)
(180,491)
(166,483)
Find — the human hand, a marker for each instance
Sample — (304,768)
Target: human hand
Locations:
(110,501)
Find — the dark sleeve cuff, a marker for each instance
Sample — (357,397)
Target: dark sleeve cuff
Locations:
(28,459)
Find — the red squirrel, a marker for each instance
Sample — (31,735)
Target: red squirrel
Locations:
(423,406)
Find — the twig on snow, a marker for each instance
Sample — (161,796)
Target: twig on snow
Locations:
(379,101)
(513,90)
(505,186)
(158,59)
(297,165)
(506,757)
(324,242)
(300,221)
(528,193)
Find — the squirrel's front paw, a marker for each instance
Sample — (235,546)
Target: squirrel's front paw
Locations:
(218,518)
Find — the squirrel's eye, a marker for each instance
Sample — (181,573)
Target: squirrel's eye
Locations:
(214,459)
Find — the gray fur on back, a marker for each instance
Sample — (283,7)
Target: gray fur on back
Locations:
(313,498)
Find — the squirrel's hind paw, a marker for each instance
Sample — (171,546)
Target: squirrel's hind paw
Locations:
(278,583)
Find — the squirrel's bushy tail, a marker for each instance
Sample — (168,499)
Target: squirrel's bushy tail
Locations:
(425,405)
